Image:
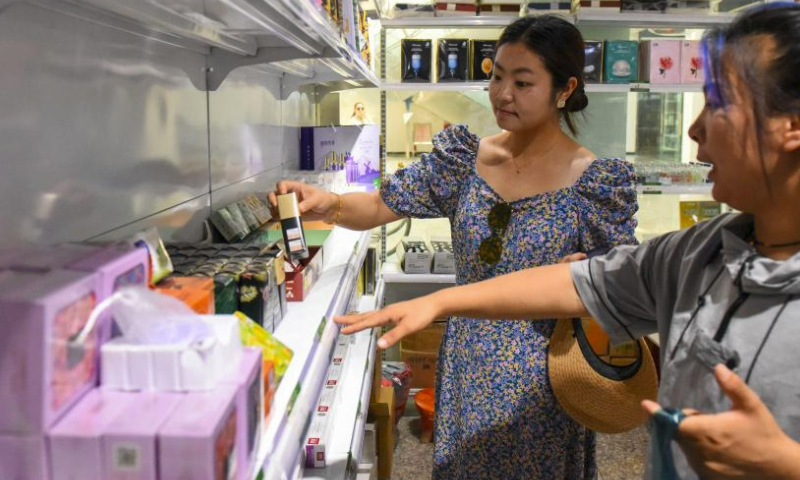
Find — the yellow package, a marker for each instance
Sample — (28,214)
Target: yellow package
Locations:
(272,350)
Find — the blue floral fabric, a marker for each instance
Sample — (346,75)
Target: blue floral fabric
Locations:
(496,415)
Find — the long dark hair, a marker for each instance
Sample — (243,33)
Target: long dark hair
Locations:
(560,46)
(761,49)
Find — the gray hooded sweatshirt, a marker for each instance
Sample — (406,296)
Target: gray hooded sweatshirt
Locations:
(684,285)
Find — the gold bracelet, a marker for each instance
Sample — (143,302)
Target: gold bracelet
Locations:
(338,210)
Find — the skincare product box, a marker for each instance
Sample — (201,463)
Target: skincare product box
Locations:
(130,442)
(300,281)
(24,457)
(45,365)
(293,235)
(199,440)
(117,266)
(319,430)
(196,292)
(506,8)
(416,56)
(193,361)
(593,66)
(249,381)
(621,61)
(444,260)
(352,151)
(660,61)
(76,442)
(543,6)
(599,5)
(453,60)
(456,8)
(692,63)
(414,255)
(483,52)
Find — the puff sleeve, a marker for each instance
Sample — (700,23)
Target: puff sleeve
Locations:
(430,188)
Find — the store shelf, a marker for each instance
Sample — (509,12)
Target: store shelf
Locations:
(675,189)
(235,33)
(615,18)
(391,273)
(308,329)
(436,87)
(496,21)
(344,444)
(591,87)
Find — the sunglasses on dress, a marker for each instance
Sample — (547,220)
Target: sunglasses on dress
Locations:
(491,248)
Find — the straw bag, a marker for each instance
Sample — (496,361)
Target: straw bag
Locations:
(602,397)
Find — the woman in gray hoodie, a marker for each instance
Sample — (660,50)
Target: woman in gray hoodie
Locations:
(724,296)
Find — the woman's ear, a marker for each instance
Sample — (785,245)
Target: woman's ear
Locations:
(572,84)
(791,136)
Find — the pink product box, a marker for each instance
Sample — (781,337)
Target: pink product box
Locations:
(661,61)
(692,63)
(249,381)
(44,370)
(118,266)
(76,442)
(130,442)
(199,440)
(23,458)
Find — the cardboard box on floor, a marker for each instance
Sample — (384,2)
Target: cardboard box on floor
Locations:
(421,351)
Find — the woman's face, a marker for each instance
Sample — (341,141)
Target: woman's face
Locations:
(521,89)
(727,139)
(360,111)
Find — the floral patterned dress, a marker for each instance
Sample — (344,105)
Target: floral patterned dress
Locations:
(496,415)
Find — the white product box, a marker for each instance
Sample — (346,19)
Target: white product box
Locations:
(444,260)
(188,366)
(415,255)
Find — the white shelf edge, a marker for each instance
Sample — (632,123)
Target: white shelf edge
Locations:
(298,331)
(590,87)
(675,189)
(455,21)
(392,274)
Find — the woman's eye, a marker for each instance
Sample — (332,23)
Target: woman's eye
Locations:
(522,84)
(496,78)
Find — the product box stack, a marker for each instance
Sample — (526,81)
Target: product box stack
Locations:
(654,61)
(457,60)
(167,408)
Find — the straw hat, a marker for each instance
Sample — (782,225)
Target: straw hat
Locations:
(602,397)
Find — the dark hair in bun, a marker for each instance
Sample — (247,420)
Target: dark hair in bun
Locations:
(560,46)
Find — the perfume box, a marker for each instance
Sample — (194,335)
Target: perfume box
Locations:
(660,61)
(620,62)
(415,59)
(651,6)
(249,381)
(45,366)
(593,65)
(130,442)
(199,440)
(76,442)
(692,62)
(453,60)
(483,52)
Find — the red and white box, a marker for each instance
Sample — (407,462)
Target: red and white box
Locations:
(454,8)
(660,61)
(692,66)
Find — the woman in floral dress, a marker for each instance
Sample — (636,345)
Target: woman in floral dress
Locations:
(525,197)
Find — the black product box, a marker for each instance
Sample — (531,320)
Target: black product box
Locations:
(659,6)
(256,296)
(453,60)
(483,52)
(593,66)
(416,60)
(226,301)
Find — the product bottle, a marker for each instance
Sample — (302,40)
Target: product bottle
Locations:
(351,168)
(293,235)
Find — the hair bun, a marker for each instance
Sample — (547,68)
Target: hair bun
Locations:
(578,101)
